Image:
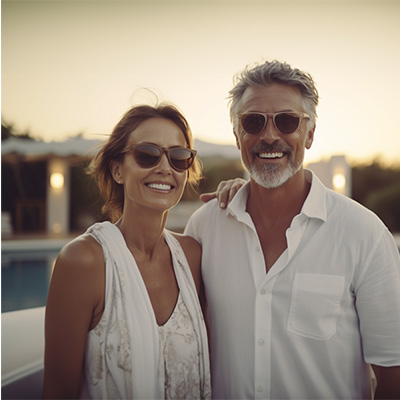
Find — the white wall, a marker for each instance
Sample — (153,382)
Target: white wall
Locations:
(333,173)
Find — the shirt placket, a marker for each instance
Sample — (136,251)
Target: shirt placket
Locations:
(262,328)
(262,343)
(263,307)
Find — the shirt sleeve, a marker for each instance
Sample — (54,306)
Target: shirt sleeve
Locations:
(378,303)
(193,228)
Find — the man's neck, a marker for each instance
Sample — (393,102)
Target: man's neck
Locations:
(282,203)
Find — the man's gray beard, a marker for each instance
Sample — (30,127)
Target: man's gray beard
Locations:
(269,176)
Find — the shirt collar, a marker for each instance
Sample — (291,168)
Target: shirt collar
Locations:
(315,204)
(237,206)
(313,207)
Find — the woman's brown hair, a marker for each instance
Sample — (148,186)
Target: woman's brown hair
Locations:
(113,150)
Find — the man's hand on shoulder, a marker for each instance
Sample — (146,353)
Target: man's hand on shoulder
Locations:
(225,192)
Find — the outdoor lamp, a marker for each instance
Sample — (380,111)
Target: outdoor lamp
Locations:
(56,180)
(339,181)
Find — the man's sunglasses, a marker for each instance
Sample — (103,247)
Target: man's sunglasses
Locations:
(254,123)
(149,155)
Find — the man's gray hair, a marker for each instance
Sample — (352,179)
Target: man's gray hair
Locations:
(274,72)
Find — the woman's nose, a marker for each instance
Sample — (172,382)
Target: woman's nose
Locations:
(164,164)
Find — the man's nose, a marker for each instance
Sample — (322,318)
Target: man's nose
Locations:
(269,134)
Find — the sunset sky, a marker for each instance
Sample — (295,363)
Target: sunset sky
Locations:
(77,66)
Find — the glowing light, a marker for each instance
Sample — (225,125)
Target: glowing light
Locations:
(339,181)
(56,227)
(56,180)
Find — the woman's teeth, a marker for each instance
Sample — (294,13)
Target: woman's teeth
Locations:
(159,186)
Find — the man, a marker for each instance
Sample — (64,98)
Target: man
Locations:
(302,284)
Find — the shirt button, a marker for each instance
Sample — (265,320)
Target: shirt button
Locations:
(260,388)
(262,292)
(258,248)
(260,342)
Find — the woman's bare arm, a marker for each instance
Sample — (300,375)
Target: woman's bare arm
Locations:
(75,304)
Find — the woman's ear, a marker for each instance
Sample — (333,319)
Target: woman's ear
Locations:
(116,171)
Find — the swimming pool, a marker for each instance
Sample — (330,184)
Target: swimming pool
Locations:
(26,267)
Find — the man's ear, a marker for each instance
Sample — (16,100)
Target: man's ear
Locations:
(310,137)
(116,171)
(237,140)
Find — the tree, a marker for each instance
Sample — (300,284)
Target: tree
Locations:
(377,187)
(8,130)
(385,203)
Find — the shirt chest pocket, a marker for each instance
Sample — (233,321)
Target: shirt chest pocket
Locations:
(315,305)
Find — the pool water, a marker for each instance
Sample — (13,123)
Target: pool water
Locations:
(24,283)
(26,272)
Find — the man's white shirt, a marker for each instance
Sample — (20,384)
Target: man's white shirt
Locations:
(309,327)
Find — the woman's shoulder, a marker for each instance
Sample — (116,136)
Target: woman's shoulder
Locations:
(83,252)
(188,244)
(192,251)
(77,289)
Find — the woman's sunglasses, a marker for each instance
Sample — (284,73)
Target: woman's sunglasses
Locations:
(254,123)
(149,155)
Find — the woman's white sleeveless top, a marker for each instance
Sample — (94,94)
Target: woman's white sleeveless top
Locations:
(128,356)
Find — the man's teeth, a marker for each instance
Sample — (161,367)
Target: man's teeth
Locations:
(271,155)
(159,186)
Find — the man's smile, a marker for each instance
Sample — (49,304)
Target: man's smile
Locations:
(275,155)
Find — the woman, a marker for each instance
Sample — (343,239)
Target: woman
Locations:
(123,319)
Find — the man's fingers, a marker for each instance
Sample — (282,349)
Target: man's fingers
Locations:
(225,192)
(208,196)
(236,185)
